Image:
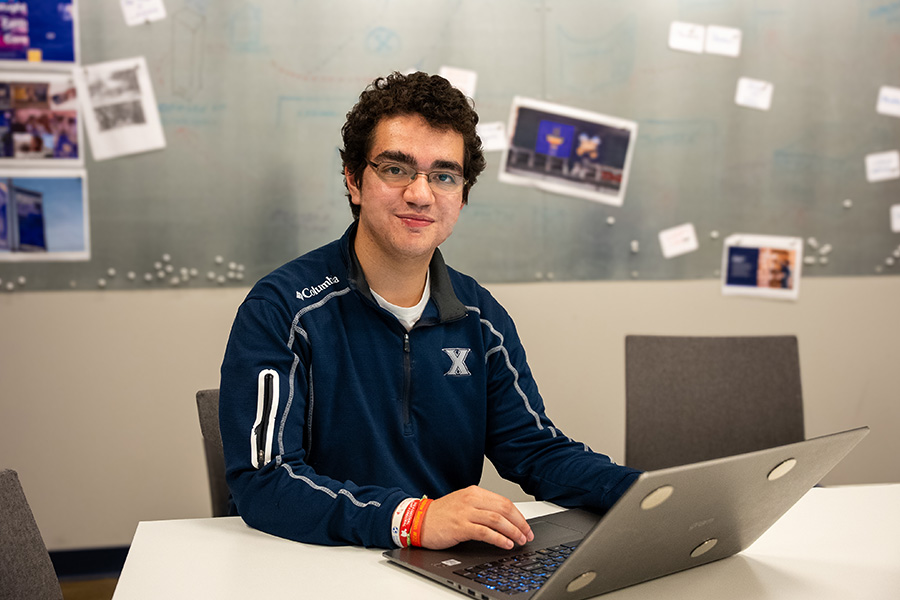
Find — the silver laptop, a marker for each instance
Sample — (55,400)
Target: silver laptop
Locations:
(668,521)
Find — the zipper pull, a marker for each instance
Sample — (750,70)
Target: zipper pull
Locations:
(406,342)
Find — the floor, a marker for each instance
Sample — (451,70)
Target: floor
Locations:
(88,589)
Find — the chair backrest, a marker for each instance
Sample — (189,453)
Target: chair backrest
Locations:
(690,399)
(208,411)
(26,572)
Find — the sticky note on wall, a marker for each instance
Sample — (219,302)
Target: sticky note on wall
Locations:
(725,41)
(888,101)
(464,80)
(679,240)
(754,93)
(883,166)
(687,37)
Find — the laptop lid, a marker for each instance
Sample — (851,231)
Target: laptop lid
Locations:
(669,520)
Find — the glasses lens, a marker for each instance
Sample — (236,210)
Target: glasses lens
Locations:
(394,174)
(443,181)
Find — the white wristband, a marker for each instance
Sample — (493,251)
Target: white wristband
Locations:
(397,519)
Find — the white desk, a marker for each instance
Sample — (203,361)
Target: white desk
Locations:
(841,543)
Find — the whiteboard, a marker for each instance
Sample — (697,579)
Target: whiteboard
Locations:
(252,96)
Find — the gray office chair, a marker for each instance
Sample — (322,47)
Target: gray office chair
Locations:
(26,572)
(208,411)
(689,399)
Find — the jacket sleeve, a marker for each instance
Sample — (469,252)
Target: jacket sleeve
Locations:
(525,446)
(264,401)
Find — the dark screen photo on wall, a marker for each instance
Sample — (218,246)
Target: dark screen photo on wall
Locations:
(568,151)
(43,216)
(762,265)
(38,32)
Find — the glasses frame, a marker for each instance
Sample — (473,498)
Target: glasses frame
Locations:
(416,174)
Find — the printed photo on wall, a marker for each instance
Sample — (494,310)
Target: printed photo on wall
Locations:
(766,266)
(121,116)
(40,123)
(44,215)
(38,33)
(568,151)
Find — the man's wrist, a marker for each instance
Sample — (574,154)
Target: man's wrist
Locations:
(397,522)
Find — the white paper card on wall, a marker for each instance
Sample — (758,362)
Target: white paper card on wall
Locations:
(120,110)
(882,166)
(679,240)
(754,93)
(888,101)
(493,136)
(462,79)
(895,218)
(723,40)
(687,37)
(138,12)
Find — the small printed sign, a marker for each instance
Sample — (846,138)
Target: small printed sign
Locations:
(464,80)
(754,93)
(888,101)
(493,136)
(679,240)
(687,37)
(725,41)
(883,166)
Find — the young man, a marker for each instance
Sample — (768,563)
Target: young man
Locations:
(366,374)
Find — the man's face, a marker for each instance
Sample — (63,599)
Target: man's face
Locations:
(402,223)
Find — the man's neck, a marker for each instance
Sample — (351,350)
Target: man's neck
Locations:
(398,280)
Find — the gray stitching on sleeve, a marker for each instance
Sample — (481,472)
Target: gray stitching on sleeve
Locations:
(328,491)
(502,349)
(295,328)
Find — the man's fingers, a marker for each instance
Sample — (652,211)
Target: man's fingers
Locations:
(480,498)
(501,515)
(485,534)
(505,525)
(475,514)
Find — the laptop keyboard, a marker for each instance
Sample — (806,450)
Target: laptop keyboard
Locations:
(520,573)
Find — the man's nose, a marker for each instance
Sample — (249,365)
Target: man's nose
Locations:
(419,190)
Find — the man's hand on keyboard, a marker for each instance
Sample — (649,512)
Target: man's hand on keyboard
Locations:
(474,514)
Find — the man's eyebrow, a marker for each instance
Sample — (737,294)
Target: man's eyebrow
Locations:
(447,165)
(396,156)
(399,156)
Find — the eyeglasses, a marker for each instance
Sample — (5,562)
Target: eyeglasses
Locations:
(400,175)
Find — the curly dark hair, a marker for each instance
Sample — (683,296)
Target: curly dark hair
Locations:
(431,96)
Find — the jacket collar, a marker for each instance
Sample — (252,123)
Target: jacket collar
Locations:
(448,304)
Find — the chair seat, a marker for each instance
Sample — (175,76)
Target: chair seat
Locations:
(26,572)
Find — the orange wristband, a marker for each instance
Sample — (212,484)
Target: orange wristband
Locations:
(415,531)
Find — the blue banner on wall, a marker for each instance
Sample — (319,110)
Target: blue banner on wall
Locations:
(37,31)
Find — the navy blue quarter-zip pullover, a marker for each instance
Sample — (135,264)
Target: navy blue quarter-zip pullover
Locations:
(332,413)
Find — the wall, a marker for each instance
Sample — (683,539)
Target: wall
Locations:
(97,405)
(260,89)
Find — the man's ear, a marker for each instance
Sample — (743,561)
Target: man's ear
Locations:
(351,186)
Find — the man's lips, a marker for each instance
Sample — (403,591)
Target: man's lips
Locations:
(416,220)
